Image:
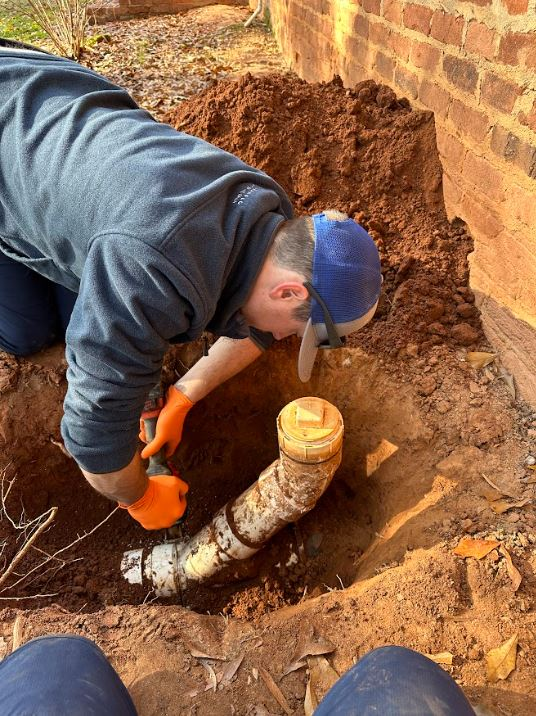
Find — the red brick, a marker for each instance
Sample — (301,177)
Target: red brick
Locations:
(480,39)
(529,120)
(407,81)
(392,11)
(385,66)
(450,148)
(461,73)
(499,93)
(361,26)
(379,34)
(526,159)
(513,149)
(516,7)
(372,6)
(503,143)
(424,56)
(484,176)
(418,17)
(359,51)
(400,45)
(469,121)
(480,216)
(523,205)
(434,97)
(518,48)
(447,28)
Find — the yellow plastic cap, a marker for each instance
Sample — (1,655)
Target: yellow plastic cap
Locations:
(310,428)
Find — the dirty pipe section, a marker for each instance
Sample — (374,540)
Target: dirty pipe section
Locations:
(310,432)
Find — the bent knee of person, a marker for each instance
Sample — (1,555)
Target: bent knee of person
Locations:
(26,340)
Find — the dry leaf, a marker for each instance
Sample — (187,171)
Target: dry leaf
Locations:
(18,632)
(308,645)
(274,689)
(255,673)
(513,572)
(213,679)
(501,661)
(231,668)
(322,676)
(500,506)
(479,548)
(509,380)
(496,487)
(444,657)
(479,359)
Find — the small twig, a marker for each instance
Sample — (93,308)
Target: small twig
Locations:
(20,554)
(63,549)
(32,596)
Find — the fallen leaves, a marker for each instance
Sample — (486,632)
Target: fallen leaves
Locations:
(479,359)
(322,676)
(274,689)
(478,548)
(513,572)
(308,645)
(443,657)
(500,662)
(500,506)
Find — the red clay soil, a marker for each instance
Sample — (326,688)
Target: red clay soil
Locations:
(373,563)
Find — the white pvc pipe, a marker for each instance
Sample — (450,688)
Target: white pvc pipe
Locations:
(310,439)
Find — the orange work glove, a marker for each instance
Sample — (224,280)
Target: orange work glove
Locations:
(169,424)
(162,504)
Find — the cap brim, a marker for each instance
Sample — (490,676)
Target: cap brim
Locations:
(308,351)
(311,340)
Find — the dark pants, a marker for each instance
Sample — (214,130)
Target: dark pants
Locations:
(34,312)
(394,681)
(61,676)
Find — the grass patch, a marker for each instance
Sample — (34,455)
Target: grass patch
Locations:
(21,28)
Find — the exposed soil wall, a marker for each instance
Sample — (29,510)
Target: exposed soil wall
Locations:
(473,64)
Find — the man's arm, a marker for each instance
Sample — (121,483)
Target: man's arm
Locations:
(226,358)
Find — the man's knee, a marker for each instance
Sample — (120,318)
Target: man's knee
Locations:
(24,339)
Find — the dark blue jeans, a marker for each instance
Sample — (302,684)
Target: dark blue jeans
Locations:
(61,676)
(394,681)
(34,312)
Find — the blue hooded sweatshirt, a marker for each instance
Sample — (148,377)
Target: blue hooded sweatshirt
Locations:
(161,234)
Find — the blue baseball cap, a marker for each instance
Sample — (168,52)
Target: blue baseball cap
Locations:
(344,290)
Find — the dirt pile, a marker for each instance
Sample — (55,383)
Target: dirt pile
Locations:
(368,154)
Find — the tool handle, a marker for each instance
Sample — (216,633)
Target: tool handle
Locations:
(157,463)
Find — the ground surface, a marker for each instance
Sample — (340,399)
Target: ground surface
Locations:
(435,449)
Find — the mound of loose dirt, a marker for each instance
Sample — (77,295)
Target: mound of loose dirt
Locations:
(373,563)
(368,154)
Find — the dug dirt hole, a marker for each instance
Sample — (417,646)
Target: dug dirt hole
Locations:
(230,438)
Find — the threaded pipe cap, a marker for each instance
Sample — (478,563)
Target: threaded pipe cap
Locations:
(310,429)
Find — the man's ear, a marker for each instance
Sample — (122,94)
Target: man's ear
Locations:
(289,290)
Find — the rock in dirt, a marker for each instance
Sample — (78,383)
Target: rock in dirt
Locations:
(464,334)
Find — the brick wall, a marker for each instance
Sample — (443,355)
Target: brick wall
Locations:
(473,62)
(105,10)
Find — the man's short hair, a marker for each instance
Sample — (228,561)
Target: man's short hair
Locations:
(293,248)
